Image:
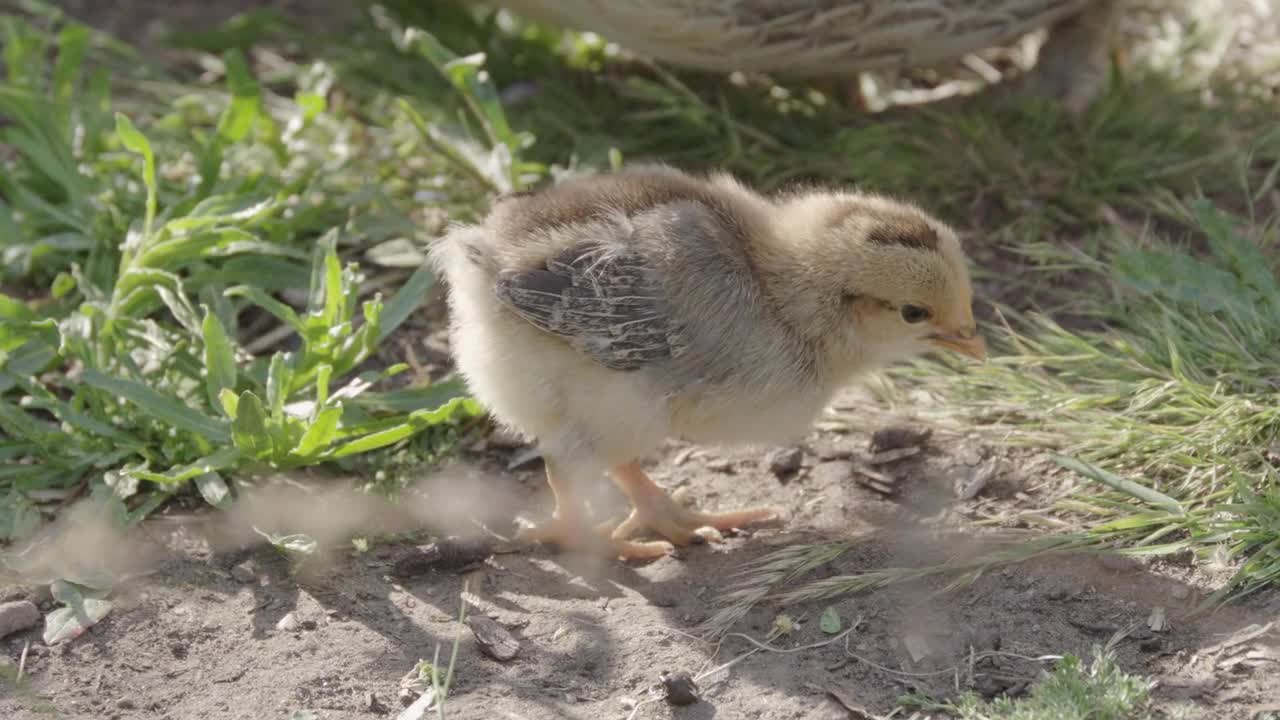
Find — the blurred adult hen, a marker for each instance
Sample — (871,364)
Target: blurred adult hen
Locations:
(841,38)
(607,313)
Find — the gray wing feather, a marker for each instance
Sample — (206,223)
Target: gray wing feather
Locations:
(607,304)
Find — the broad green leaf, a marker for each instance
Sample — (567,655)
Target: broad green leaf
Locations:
(123,483)
(229,402)
(219,357)
(415,423)
(84,609)
(381,439)
(222,459)
(332,287)
(214,490)
(411,399)
(829,621)
(322,431)
(317,297)
(250,427)
(278,377)
(296,543)
(323,372)
(407,299)
(159,406)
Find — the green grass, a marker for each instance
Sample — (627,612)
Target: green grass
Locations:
(146,258)
(1072,690)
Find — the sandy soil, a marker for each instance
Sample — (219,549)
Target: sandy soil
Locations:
(204,632)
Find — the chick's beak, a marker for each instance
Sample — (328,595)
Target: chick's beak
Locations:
(967,342)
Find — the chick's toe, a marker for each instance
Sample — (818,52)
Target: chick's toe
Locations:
(569,530)
(653,509)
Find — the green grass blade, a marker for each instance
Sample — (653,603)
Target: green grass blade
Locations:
(219,357)
(162,407)
(137,143)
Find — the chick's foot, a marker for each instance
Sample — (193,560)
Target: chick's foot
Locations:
(569,530)
(580,537)
(653,509)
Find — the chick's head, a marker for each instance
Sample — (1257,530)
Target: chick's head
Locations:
(878,281)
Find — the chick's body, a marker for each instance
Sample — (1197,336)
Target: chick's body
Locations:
(608,313)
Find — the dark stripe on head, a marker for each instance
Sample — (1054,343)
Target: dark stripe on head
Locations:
(907,232)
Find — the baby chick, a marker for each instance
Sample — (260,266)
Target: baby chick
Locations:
(608,313)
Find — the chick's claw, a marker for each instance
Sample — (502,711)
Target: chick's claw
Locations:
(569,536)
(653,509)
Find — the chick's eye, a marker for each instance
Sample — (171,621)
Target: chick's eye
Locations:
(914,313)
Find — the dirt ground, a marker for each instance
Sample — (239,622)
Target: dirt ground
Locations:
(211,629)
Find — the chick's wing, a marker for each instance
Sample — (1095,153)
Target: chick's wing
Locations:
(605,302)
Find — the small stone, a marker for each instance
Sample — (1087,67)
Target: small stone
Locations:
(720,465)
(1158,621)
(245,572)
(680,687)
(897,438)
(784,462)
(125,704)
(17,616)
(448,554)
(373,704)
(973,480)
(892,456)
(288,623)
(493,639)
(308,624)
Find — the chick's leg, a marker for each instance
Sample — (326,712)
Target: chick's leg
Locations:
(569,528)
(654,510)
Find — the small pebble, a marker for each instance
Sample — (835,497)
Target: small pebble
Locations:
(449,554)
(680,687)
(308,624)
(17,616)
(373,704)
(125,704)
(288,623)
(244,572)
(897,438)
(784,462)
(720,465)
(493,639)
